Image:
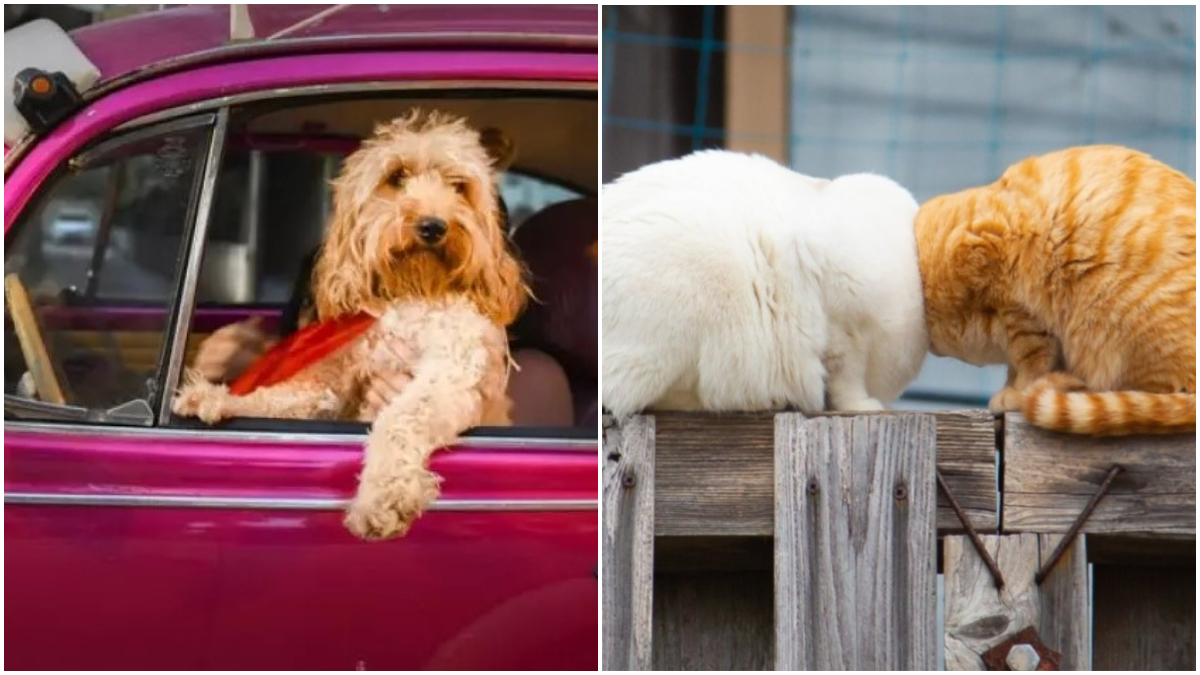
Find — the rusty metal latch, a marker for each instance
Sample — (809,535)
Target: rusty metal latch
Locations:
(1077,525)
(1023,651)
(974,536)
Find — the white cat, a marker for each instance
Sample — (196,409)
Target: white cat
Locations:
(732,283)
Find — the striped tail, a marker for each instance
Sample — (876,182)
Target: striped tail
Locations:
(1063,403)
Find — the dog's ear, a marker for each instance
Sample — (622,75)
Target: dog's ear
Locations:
(497,279)
(499,147)
(501,290)
(342,276)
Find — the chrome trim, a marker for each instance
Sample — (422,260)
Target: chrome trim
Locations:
(284,504)
(182,323)
(84,159)
(351,88)
(281,437)
(329,44)
(19,405)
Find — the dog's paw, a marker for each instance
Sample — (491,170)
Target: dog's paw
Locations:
(201,399)
(382,514)
(1007,399)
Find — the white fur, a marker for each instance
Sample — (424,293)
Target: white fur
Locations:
(732,283)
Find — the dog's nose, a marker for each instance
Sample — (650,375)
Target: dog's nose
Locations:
(431,230)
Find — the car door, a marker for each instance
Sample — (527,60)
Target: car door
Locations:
(139,541)
(90,585)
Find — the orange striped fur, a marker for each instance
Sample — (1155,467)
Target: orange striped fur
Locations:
(1077,269)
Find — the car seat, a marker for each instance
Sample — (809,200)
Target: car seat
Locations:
(556,244)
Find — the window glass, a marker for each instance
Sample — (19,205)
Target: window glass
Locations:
(942,99)
(270,212)
(98,255)
(525,195)
(271,206)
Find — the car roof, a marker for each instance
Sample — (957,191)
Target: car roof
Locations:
(183,36)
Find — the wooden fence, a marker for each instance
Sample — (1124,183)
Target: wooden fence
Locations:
(760,541)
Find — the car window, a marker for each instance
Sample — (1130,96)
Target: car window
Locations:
(525,195)
(270,211)
(97,256)
(271,206)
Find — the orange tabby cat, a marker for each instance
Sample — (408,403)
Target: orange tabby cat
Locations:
(1078,270)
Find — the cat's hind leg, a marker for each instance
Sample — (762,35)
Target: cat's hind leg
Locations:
(847,379)
(634,382)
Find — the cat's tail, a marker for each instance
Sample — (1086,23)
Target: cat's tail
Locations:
(1063,403)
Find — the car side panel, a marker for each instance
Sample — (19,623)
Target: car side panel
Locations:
(226,550)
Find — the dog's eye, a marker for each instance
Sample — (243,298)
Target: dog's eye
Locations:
(396,178)
(461,187)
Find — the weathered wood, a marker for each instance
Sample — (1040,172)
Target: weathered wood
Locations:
(628,546)
(1144,617)
(977,616)
(966,456)
(855,542)
(713,621)
(1063,604)
(714,554)
(1122,549)
(1049,478)
(716,472)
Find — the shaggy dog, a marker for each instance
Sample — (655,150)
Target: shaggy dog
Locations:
(415,280)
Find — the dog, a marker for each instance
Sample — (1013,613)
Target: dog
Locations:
(415,280)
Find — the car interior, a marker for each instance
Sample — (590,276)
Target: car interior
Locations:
(99,252)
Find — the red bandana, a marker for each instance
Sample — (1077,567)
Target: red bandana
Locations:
(300,350)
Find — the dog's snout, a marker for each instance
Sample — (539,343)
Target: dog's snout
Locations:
(431,230)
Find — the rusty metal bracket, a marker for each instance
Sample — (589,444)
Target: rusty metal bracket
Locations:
(998,657)
(974,536)
(1077,525)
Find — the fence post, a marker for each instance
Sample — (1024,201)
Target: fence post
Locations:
(855,540)
(628,546)
(978,617)
(1063,624)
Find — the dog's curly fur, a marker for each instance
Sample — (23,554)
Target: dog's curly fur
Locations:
(442,310)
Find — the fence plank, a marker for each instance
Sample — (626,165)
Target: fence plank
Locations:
(977,617)
(715,474)
(1049,478)
(1145,617)
(855,573)
(713,621)
(966,456)
(1063,623)
(628,550)
(716,478)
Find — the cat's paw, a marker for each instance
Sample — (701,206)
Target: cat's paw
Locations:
(864,405)
(201,399)
(1007,399)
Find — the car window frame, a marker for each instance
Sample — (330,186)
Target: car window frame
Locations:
(577,438)
(128,412)
(348,428)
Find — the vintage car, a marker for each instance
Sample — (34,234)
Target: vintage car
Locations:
(170,182)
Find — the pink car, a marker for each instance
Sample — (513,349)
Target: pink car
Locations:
(172,181)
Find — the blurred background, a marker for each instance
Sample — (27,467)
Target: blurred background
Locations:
(70,17)
(937,98)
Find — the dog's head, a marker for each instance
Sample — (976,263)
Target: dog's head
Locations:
(416,214)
